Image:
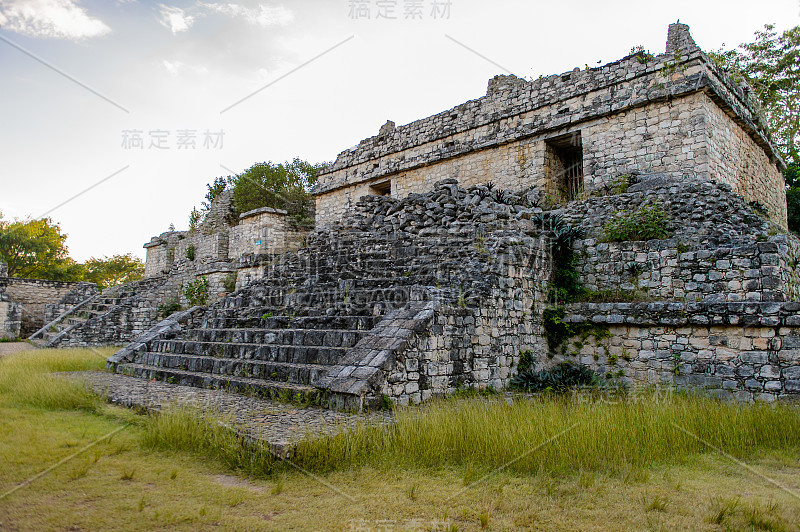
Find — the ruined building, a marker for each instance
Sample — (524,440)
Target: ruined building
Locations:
(676,113)
(432,263)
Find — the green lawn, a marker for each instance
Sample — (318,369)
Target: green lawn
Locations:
(617,467)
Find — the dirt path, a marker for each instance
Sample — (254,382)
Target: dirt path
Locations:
(8,348)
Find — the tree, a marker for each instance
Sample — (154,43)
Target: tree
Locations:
(281,186)
(114,270)
(771,66)
(37,249)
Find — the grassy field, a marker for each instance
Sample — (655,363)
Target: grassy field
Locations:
(466,464)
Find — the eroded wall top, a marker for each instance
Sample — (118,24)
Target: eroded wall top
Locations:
(633,81)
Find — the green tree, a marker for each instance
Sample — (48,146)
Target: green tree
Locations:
(37,249)
(114,270)
(771,66)
(281,186)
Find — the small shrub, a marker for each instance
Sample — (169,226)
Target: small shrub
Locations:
(525,361)
(559,378)
(190,252)
(646,223)
(196,291)
(195,217)
(229,282)
(166,309)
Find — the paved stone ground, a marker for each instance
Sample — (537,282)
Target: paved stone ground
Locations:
(279,424)
(8,348)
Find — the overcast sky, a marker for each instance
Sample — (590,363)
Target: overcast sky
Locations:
(143,103)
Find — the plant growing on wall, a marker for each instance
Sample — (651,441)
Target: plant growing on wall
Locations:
(559,378)
(565,279)
(196,292)
(229,282)
(190,252)
(195,217)
(646,223)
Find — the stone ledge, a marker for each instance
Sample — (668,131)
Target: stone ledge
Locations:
(261,210)
(354,379)
(676,313)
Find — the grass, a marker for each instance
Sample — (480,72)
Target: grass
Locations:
(183,471)
(567,435)
(26,378)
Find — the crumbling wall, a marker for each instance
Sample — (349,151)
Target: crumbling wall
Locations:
(733,158)
(10,312)
(259,231)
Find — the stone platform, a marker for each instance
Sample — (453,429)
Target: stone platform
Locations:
(281,425)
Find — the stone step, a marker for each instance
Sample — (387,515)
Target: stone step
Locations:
(265,352)
(242,385)
(254,317)
(307,337)
(258,369)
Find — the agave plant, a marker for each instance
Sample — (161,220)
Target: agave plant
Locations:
(559,378)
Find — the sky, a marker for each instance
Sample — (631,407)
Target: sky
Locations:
(115,114)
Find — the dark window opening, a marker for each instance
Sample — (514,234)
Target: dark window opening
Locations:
(564,161)
(381,189)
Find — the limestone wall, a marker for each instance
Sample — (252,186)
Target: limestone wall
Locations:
(745,351)
(10,319)
(34,295)
(733,158)
(261,230)
(657,269)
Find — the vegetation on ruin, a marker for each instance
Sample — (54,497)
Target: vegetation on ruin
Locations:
(196,291)
(557,331)
(560,378)
(278,185)
(565,280)
(648,222)
(463,464)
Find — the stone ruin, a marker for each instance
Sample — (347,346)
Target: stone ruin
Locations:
(431,264)
(414,297)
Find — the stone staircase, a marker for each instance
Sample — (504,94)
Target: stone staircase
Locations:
(93,307)
(280,335)
(333,321)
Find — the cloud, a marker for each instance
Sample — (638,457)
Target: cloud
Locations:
(52,19)
(261,15)
(176,67)
(175,18)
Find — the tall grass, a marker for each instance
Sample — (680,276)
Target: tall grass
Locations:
(26,378)
(555,434)
(552,435)
(180,428)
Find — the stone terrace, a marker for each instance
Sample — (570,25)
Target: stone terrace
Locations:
(412,297)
